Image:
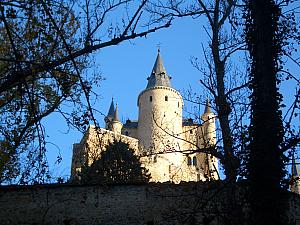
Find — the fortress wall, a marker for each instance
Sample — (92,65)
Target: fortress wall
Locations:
(115,205)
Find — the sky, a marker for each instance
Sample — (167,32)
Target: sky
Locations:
(125,68)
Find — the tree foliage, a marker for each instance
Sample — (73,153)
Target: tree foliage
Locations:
(29,40)
(265,166)
(117,164)
(44,56)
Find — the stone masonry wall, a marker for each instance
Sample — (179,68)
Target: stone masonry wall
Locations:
(116,205)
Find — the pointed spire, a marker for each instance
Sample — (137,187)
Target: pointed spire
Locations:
(158,75)
(207,107)
(116,114)
(111,110)
(295,171)
(158,65)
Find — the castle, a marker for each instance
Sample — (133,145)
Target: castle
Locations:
(170,147)
(295,177)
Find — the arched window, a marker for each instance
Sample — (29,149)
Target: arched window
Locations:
(194,161)
(166,98)
(189,161)
(150,98)
(126,133)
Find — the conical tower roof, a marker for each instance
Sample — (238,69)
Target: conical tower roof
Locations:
(116,114)
(111,110)
(207,107)
(158,75)
(295,171)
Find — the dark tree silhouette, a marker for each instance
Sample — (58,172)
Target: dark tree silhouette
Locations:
(118,164)
(266,159)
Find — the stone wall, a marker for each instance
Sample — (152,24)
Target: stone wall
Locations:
(115,205)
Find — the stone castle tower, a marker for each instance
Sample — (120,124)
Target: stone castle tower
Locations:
(295,179)
(171,148)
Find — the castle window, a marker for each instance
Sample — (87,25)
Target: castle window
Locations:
(178,104)
(150,98)
(194,161)
(191,131)
(189,161)
(166,98)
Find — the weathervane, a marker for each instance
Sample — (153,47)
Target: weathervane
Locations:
(158,46)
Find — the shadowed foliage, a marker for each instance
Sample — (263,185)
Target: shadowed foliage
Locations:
(118,164)
(266,159)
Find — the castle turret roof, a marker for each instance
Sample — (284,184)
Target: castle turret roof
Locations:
(111,110)
(295,171)
(207,107)
(116,114)
(159,76)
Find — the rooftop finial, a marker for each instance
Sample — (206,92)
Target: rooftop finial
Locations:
(158,47)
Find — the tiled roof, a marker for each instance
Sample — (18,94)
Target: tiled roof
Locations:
(159,76)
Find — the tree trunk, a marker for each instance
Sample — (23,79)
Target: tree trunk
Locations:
(265,165)
(231,164)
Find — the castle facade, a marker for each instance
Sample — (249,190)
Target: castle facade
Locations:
(170,147)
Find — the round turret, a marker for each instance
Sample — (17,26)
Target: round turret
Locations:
(116,125)
(206,139)
(209,126)
(160,123)
(160,112)
(160,118)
